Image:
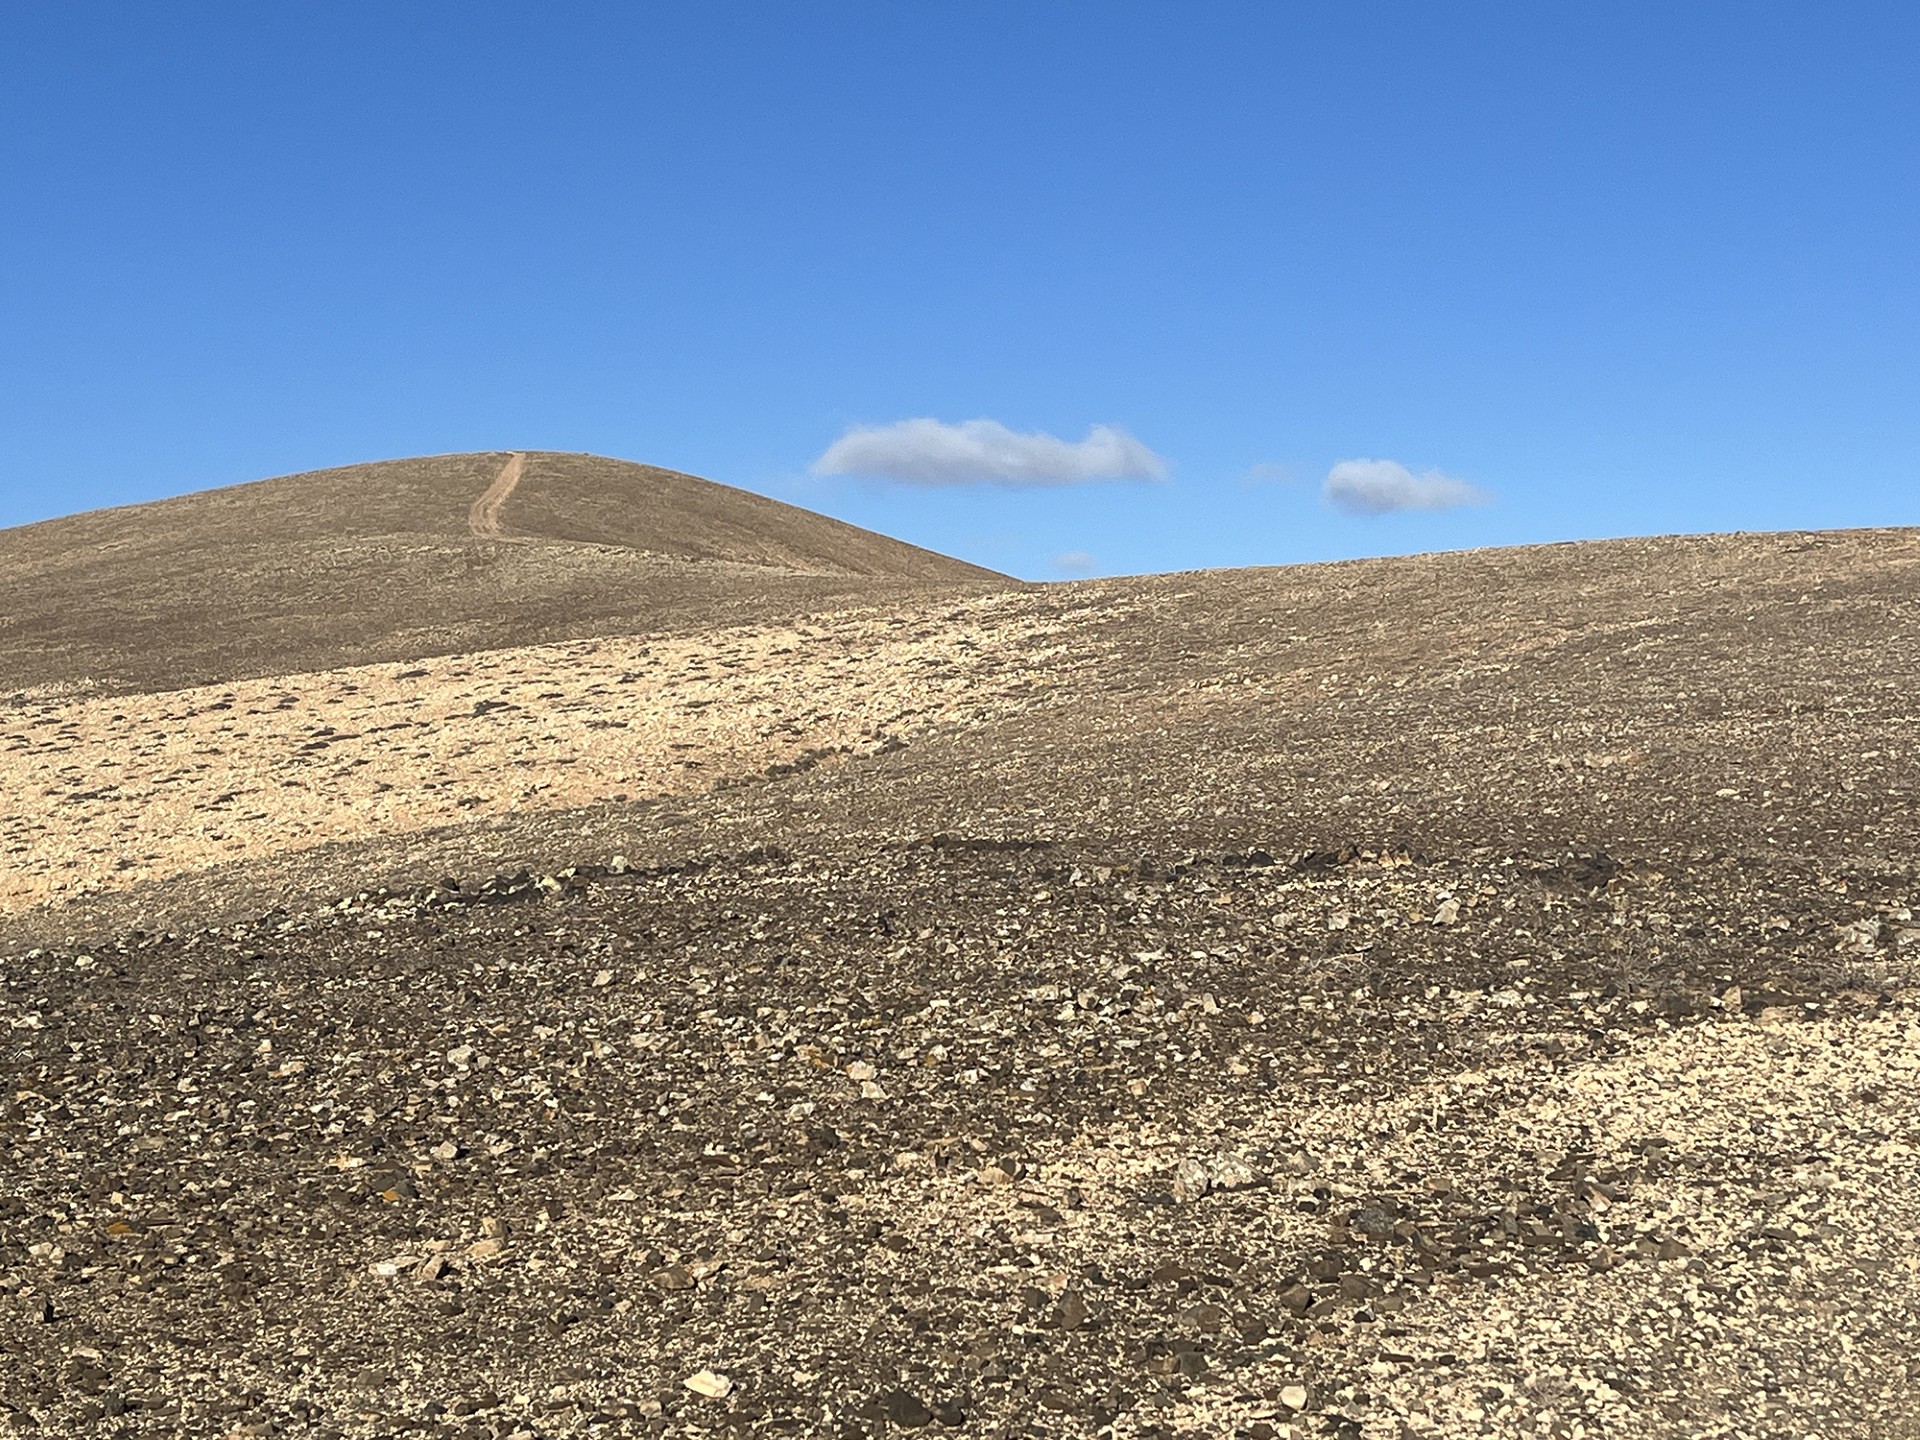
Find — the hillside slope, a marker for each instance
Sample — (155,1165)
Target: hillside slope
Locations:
(1446,996)
(400,559)
(1601,695)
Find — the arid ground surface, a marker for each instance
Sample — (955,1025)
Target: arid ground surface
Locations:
(1456,995)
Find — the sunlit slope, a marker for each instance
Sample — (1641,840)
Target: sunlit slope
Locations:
(388,561)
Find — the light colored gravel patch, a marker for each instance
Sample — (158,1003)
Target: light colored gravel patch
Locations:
(1788,1195)
(105,794)
(1758,1274)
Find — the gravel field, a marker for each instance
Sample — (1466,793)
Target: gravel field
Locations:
(1329,1147)
(106,794)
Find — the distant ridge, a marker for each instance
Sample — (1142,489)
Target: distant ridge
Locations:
(402,559)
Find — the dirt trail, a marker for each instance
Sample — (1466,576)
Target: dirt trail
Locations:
(483,518)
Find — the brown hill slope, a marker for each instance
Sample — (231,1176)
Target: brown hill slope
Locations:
(408,558)
(1449,996)
(1600,695)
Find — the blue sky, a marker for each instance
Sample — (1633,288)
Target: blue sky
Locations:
(1614,269)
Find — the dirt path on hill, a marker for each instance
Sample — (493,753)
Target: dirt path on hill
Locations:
(483,518)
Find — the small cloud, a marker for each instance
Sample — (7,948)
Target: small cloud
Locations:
(1075,562)
(1376,487)
(931,452)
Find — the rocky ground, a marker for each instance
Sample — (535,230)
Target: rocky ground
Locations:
(106,794)
(1465,995)
(1022,1140)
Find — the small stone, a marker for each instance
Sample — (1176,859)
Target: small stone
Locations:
(602,979)
(709,1383)
(907,1410)
(1073,1313)
(1294,1397)
(1447,912)
(446,1150)
(1207,1318)
(861,1070)
(460,1055)
(1230,1172)
(1372,1222)
(1190,1179)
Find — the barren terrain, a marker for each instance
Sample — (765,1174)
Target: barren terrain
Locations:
(390,562)
(1456,995)
(103,794)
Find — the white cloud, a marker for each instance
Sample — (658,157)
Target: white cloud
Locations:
(1375,487)
(930,452)
(1075,562)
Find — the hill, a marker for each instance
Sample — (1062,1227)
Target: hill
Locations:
(1449,995)
(409,558)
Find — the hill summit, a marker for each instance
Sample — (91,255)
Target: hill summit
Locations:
(401,559)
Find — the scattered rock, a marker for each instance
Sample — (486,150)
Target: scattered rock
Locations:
(1191,1179)
(906,1410)
(709,1383)
(1230,1172)
(1371,1222)
(1072,1311)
